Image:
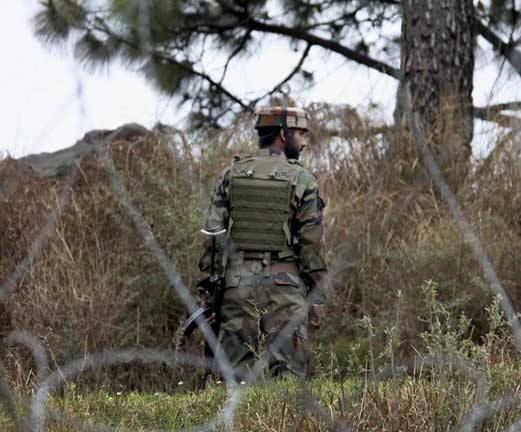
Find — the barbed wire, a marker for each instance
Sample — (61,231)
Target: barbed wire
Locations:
(49,380)
(88,362)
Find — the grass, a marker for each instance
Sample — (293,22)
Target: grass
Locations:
(433,391)
(433,400)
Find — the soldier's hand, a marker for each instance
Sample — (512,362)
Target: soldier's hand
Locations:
(211,319)
(317,313)
(204,299)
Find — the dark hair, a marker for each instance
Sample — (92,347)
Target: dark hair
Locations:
(267,135)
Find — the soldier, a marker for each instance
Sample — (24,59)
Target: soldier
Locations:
(272,257)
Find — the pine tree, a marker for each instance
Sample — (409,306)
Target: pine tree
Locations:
(168,41)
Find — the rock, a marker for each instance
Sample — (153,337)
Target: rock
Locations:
(59,164)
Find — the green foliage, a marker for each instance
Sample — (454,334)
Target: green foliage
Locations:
(94,52)
(431,398)
(446,334)
(340,358)
(167,76)
(50,25)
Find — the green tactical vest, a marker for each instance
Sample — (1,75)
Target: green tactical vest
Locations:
(260,189)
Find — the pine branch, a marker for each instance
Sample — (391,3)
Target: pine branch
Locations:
(154,54)
(361,132)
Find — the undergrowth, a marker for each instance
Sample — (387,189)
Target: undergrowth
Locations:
(95,285)
(436,390)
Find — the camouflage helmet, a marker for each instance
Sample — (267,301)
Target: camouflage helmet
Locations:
(273,116)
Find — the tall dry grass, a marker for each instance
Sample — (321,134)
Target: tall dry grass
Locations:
(96,286)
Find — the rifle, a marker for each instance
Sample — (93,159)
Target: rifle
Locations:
(211,290)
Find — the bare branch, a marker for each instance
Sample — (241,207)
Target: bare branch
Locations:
(296,33)
(505,49)
(493,113)
(299,33)
(362,132)
(234,54)
(501,119)
(295,70)
(506,106)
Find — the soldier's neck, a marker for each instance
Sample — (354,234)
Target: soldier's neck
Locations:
(271,151)
(277,145)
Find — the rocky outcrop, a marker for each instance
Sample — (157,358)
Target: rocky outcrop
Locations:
(59,164)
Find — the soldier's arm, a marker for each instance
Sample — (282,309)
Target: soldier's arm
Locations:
(218,216)
(308,230)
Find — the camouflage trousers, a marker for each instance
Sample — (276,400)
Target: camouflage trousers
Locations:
(263,316)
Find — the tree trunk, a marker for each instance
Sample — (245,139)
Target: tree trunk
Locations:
(437,63)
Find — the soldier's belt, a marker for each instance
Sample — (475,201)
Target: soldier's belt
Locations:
(274,267)
(256,267)
(284,267)
(259,255)
(257,263)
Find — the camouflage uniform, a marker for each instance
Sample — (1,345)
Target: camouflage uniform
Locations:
(264,290)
